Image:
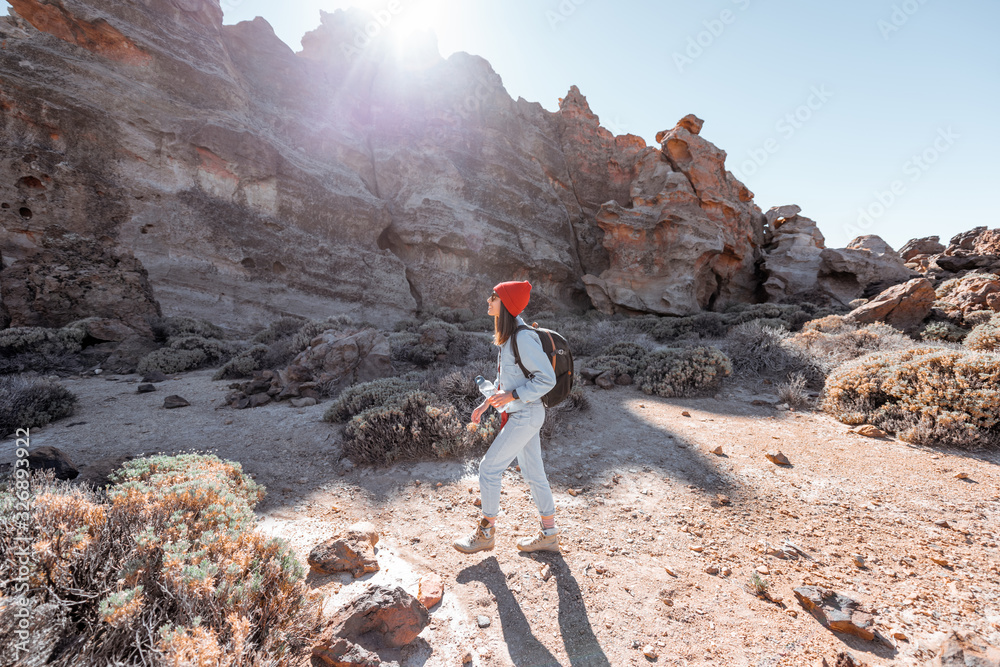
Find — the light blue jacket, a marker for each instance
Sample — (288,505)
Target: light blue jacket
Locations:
(533,357)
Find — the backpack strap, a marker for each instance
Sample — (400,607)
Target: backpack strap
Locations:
(517,356)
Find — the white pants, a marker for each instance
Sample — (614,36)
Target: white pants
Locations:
(518,439)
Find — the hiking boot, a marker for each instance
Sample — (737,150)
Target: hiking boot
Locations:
(480,540)
(544,540)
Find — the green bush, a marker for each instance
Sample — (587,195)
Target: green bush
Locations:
(415,425)
(245,363)
(169,360)
(38,349)
(284,327)
(927,395)
(308,331)
(623,358)
(945,331)
(26,402)
(365,395)
(166,568)
(985,337)
(825,347)
(683,371)
(437,341)
(756,346)
(165,328)
(216,351)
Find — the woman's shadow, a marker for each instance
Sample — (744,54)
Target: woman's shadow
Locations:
(524,648)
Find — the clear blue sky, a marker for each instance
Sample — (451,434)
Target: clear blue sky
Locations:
(895,79)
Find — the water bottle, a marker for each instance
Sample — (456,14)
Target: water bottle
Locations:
(487,389)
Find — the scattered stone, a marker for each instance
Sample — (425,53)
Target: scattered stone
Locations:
(154,377)
(685,413)
(353,551)
(966,649)
(365,528)
(392,612)
(778,458)
(900,635)
(430,590)
(174,401)
(624,380)
(478,502)
(712,569)
(669,570)
(962,475)
(483,621)
(605,380)
(869,431)
(546,572)
(304,402)
(344,653)
(717,451)
(940,560)
(145,388)
(859,560)
(572,492)
(348,464)
(836,611)
(54,459)
(943,523)
(649,651)
(844,659)
(697,548)
(722,499)
(762,569)
(726,571)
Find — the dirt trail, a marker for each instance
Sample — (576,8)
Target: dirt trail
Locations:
(646,496)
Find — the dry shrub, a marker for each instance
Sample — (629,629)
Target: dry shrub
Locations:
(364,395)
(985,337)
(927,395)
(683,371)
(944,331)
(166,569)
(244,363)
(308,331)
(216,351)
(621,358)
(827,347)
(414,425)
(757,347)
(284,327)
(169,360)
(27,401)
(793,390)
(165,328)
(39,349)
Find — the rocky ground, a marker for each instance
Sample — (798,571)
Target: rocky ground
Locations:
(661,536)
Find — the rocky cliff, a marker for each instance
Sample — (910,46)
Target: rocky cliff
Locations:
(237,179)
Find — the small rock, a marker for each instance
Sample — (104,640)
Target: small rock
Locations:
(430,590)
(836,611)
(726,571)
(722,499)
(54,459)
(97,371)
(154,377)
(965,648)
(394,614)
(605,380)
(174,401)
(763,570)
(940,560)
(348,464)
(962,475)
(477,501)
(717,451)
(859,560)
(624,380)
(778,458)
(145,388)
(792,613)
(900,635)
(781,406)
(943,523)
(546,572)
(870,431)
(712,569)
(572,492)
(669,570)
(228,422)
(649,651)
(685,413)
(697,548)
(483,621)
(303,402)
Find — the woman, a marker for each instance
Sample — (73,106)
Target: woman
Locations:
(519,436)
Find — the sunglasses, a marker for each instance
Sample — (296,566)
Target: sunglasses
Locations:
(493,297)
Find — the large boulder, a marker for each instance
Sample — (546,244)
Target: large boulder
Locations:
(963,648)
(969,293)
(340,358)
(903,306)
(690,238)
(793,256)
(71,278)
(395,615)
(864,268)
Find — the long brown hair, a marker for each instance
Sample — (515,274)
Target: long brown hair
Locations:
(504,325)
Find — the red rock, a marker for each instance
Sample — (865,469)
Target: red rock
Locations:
(970,293)
(902,306)
(836,611)
(352,551)
(430,589)
(391,612)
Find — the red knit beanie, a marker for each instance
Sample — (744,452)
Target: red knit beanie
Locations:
(514,295)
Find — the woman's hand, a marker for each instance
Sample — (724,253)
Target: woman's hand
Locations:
(500,399)
(477,414)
